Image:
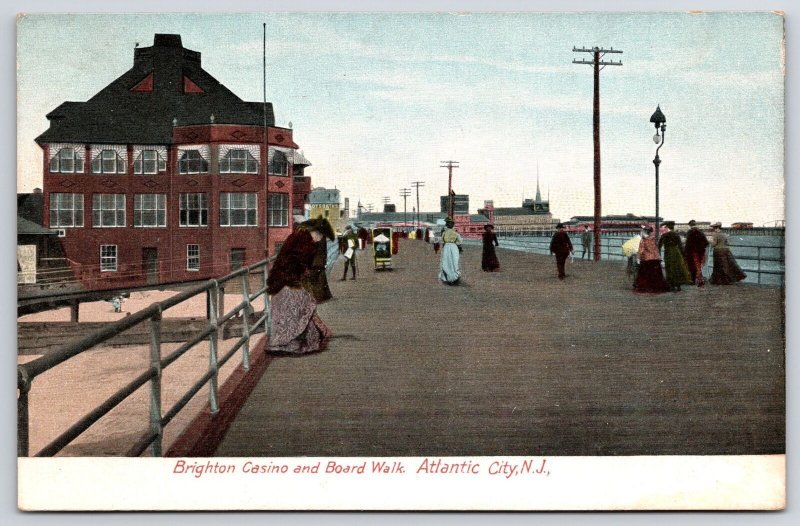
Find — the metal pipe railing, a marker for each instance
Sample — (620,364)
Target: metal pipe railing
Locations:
(612,249)
(153,439)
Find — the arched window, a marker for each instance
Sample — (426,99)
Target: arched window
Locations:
(238,161)
(192,162)
(67,160)
(278,163)
(109,159)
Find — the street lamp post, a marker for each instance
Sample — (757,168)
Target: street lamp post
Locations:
(660,123)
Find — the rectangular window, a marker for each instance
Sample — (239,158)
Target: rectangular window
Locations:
(237,209)
(66,210)
(67,161)
(194,210)
(108,258)
(278,207)
(192,257)
(108,210)
(150,210)
(149,162)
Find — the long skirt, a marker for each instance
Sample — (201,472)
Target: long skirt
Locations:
(296,327)
(489,262)
(650,277)
(726,270)
(449,271)
(694,263)
(675,267)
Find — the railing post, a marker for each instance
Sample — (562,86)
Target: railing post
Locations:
(213,343)
(24,386)
(155,383)
(759,264)
(246,321)
(267,310)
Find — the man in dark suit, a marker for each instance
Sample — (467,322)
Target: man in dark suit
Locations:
(561,246)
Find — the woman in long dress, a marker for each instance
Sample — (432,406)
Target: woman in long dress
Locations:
(449,270)
(296,326)
(650,277)
(315,280)
(489,262)
(726,270)
(674,264)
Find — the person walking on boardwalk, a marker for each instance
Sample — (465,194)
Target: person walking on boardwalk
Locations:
(561,246)
(694,252)
(674,264)
(351,243)
(650,278)
(586,241)
(726,270)
(489,261)
(316,280)
(449,270)
(436,240)
(296,326)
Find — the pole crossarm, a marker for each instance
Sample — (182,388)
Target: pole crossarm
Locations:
(600,63)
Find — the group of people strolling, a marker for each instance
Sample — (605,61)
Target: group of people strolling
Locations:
(449,264)
(683,264)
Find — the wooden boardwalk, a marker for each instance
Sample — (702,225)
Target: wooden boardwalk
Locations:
(520,363)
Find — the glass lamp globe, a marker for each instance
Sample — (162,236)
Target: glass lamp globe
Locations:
(657,138)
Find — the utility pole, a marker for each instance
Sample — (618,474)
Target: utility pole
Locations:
(449,165)
(598,64)
(405,192)
(417,184)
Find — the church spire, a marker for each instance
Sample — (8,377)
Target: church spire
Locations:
(538,193)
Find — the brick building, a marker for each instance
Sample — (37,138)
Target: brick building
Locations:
(165,175)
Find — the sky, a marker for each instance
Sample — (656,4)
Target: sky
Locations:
(378,100)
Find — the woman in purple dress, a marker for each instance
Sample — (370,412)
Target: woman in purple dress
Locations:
(726,270)
(296,327)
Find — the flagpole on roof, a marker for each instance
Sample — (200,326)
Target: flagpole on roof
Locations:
(265,164)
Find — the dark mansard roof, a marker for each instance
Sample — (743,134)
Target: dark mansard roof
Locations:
(165,82)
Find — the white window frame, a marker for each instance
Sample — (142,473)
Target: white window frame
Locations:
(226,162)
(186,199)
(58,207)
(283,166)
(74,154)
(202,159)
(158,208)
(227,209)
(193,257)
(278,215)
(117,163)
(100,209)
(108,260)
(158,160)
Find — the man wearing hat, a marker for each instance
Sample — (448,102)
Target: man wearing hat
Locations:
(694,252)
(674,264)
(489,261)
(351,243)
(586,243)
(561,246)
(449,271)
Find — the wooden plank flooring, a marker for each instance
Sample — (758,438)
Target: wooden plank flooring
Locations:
(520,363)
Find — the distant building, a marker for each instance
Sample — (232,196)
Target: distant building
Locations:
(388,207)
(326,202)
(460,204)
(531,218)
(610,224)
